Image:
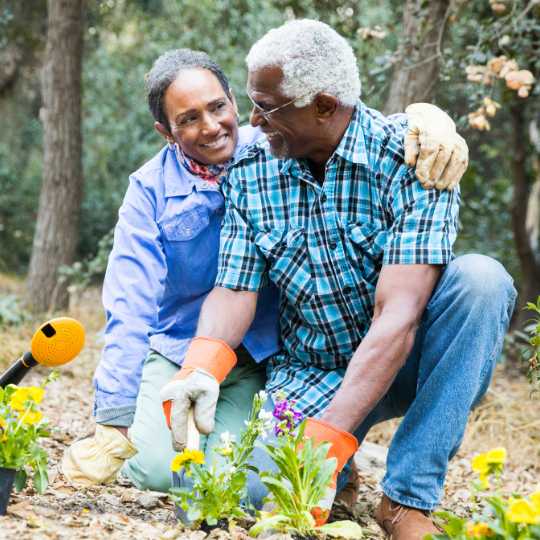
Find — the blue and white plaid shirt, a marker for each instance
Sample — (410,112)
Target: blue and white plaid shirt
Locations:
(323,245)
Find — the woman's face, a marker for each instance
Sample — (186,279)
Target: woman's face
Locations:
(202,118)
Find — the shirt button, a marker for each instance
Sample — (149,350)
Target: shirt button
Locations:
(323,198)
(346,289)
(332,245)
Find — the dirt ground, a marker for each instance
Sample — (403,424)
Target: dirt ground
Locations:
(507,417)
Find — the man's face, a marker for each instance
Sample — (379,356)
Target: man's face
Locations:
(288,129)
(202,118)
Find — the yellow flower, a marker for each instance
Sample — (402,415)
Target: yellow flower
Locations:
(3,422)
(488,463)
(479,464)
(18,399)
(522,511)
(31,417)
(23,394)
(187,456)
(497,456)
(36,393)
(478,530)
(535,499)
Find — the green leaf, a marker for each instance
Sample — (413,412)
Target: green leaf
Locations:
(20,479)
(278,522)
(342,529)
(40,478)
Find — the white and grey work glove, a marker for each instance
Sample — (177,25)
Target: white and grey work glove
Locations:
(200,391)
(207,363)
(440,154)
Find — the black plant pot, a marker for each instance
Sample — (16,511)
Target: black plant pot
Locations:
(7,476)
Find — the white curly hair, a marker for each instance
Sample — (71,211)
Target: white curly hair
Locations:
(313,57)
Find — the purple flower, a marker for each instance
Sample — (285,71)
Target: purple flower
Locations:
(286,417)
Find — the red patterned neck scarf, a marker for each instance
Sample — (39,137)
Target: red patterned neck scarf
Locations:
(210,173)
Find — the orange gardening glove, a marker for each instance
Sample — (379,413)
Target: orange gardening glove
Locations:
(206,365)
(343,446)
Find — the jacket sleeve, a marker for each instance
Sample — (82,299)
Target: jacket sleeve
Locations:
(133,286)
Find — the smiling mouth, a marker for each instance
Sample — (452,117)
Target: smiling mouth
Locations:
(218,143)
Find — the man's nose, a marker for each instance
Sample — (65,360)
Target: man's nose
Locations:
(256,118)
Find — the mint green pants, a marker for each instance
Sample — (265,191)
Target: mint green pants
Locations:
(150,467)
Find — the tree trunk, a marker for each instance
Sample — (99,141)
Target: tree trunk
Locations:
(56,236)
(523,206)
(417,67)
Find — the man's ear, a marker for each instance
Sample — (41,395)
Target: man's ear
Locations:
(326,105)
(164,132)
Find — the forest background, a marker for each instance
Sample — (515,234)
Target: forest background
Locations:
(441,51)
(74,124)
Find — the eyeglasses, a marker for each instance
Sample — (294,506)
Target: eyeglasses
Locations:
(266,114)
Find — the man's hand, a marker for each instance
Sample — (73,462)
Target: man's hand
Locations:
(343,445)
(441,155)
(206,365)
(97,459)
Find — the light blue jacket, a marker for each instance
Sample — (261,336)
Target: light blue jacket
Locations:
(162,266)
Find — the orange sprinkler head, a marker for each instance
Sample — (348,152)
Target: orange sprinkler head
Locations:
(57,341)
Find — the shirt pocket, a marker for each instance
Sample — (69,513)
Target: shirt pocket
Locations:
(288,263)
(364,243)
(186,226)
(191,244)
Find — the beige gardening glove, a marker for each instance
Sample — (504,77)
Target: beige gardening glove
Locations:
(196,386)
(441,155)
(97,459)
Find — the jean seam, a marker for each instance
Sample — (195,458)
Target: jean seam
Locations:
(407,501)
(503,324)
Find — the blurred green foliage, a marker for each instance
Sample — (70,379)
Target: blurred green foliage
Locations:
(11,311)
(123,38)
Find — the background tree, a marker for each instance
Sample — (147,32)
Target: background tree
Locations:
(416,64)
(502,65)
(415,50)
(56,233)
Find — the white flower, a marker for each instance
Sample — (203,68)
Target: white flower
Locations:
(265,415)
(262,395)
(227,438)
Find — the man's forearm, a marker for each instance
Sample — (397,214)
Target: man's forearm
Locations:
(401,296)
(227,315)
(371,371)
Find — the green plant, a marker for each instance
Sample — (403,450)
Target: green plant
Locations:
(495,515)
(21,428)
(300,481)
(217,491)
(81,274)
(533,331)
(11,312)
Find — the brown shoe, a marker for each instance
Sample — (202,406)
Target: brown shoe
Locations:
(349,494)
(403,522)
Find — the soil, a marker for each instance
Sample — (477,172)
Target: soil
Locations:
(507,417)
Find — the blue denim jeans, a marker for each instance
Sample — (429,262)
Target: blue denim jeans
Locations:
(447,372)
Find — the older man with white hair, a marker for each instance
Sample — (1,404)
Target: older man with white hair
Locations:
(378,318)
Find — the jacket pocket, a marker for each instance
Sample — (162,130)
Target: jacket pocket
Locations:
(186,226)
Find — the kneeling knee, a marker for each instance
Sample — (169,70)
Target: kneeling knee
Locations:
(152,474)
(483,278)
